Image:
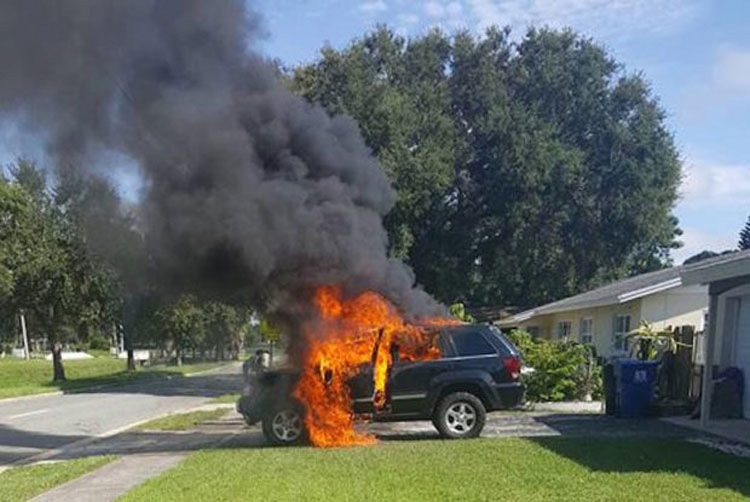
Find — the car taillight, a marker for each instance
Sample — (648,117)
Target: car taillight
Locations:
(512,365)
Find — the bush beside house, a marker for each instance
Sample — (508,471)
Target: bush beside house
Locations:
(563,370)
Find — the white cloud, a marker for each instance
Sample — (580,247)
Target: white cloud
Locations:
(724,86)
(438,9)
(434,9)
(445,14)
(373,6)
(408,19)
(613,18)
(695,240)
(714,204)
(454,9)
(712,184)
(731,69)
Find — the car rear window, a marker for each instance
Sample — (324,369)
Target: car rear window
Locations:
(472,343)
(503,341)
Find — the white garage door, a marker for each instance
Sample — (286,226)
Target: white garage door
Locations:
(743,348)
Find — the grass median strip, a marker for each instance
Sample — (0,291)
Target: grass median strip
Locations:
(544,469)
(20,378)
(183,421)
(24,482)
(226,398)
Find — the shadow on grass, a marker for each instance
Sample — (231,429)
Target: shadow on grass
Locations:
(643,455)
(119,378)
(155,382)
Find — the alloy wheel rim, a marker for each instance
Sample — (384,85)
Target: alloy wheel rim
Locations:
(461,417)
(287,425)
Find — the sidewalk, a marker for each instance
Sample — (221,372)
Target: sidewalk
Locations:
(144,455)
(112,480)
(737,430)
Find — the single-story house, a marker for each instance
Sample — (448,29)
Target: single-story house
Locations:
(604,316)
(727,337)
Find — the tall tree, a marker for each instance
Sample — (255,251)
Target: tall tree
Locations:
(183,323)
(525,171)
(745,236)
(44,285)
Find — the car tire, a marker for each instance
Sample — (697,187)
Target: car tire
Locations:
(285,425)
(460,415)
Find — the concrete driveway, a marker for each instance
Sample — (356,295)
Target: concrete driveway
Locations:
(535,424)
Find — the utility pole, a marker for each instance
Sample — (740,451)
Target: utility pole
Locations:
(25,334)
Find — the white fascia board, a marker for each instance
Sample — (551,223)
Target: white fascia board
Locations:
(649,290)
(518,318)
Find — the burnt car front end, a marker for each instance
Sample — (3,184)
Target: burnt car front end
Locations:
(264,389)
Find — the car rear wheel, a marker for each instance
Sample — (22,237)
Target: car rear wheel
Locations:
(460,415)
(284,426)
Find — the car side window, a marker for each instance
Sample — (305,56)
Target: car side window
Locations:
(445,346)
(472,343)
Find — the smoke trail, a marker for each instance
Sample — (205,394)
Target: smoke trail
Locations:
(247,187)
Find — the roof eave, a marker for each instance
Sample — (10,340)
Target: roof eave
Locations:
(717,271)
(649,290)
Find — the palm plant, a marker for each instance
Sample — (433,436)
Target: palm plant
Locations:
(650,343)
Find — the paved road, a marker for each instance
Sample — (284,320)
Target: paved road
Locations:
(36,425)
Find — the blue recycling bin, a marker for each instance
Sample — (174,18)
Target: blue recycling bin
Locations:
(635,387)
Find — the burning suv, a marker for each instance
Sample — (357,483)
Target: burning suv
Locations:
(477,370)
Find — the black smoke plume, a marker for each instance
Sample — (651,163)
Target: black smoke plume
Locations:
(248,189)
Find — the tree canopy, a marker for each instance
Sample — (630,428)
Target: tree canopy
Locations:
(525,171)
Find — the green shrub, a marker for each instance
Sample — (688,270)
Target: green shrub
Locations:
(98,341)
(563,371)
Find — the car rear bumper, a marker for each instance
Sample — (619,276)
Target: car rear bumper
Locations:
(509,395)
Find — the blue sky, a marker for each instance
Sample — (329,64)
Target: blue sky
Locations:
(695,53)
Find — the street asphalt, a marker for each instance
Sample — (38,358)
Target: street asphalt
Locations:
(32,427)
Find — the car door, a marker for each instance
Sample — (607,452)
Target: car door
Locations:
(361,388)
(409,381)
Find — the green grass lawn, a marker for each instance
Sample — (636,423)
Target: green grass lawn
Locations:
(557,469)
(22,483)
(183,421)
(19,377)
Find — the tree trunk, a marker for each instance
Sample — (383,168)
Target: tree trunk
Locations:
(57,364)
(178,356)
(131,360)
(25,333)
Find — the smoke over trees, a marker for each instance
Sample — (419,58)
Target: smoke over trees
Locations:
(527,168)
(247,189)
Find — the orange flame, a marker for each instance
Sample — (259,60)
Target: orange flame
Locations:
(351,333)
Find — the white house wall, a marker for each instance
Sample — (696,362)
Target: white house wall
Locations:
(684,306)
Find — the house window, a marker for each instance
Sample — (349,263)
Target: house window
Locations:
(563,330)
(587,330)
(622,328)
